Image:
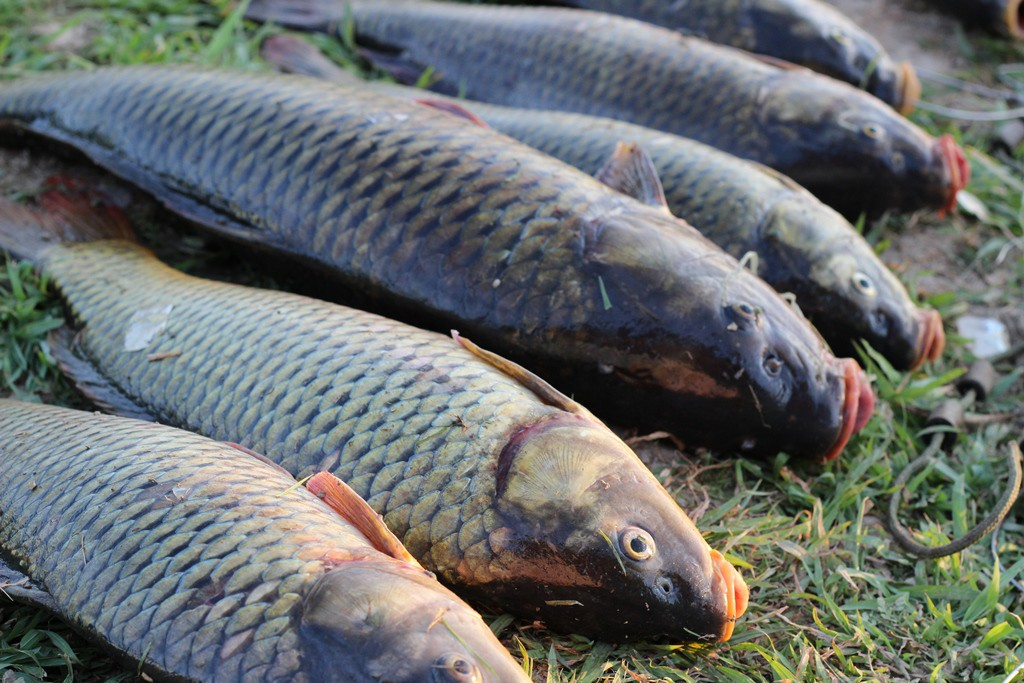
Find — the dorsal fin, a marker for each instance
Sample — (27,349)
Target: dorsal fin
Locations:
(777,62)
(781,177)
(259,456)
(631,171)
(347,503)
(452,108)
(544,391)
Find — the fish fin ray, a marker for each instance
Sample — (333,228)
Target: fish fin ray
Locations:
(89,380)
(292,54)
(453,108)
(316,15)
(777,62)
(177,201)
(403,69)
(631,171)
(18,587)
(544,391)
(259,456)
(24,231)
(781,177)
(347,503)
(69,212)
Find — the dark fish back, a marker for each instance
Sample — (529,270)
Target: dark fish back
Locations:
(567,74)
(437,220)
(806,32)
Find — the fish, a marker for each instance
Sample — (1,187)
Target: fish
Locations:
(1003,17)
(848,148)
(456,226)
(201,562)
(805,32)
(511,493)
(802,246)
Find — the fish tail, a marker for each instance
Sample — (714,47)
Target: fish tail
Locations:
(290,54)
(70,211)
(308,14)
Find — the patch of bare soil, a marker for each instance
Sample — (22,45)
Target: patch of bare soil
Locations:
(908,31)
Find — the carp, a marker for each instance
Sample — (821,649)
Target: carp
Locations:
(510,492)
(202,562)
(805,32)
(845,146)
(458,227)
(801,245)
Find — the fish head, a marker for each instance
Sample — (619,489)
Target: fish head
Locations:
(738,366)
(825,40)
(854,152)
(386,621)
(843,287)
(594,540)
(804,400)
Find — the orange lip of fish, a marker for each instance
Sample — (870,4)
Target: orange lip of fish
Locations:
(910,89)
(858,404)
(1014,18)
(735,591)
(932,340)
(957,167)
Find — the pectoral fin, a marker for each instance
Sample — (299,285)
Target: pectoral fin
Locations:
(17,587)
(89,380)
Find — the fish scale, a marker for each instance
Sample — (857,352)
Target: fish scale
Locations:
(802,246)
(459,454)
(205,564)
(844,145)
(455,226)
(276,419)
(107,576)
(805,32)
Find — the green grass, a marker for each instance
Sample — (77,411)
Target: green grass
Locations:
(832,598)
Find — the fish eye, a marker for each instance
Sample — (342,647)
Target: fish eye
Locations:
(862,284)
(455,668)
(873,131)
(636,544)
(772,365)
(744,310)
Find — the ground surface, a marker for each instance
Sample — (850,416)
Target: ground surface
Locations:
(831,597)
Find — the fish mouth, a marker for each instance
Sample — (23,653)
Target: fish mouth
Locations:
(1013,19)
(957,169)
(932,340)
(858,404)
(735,592)
(910,89)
